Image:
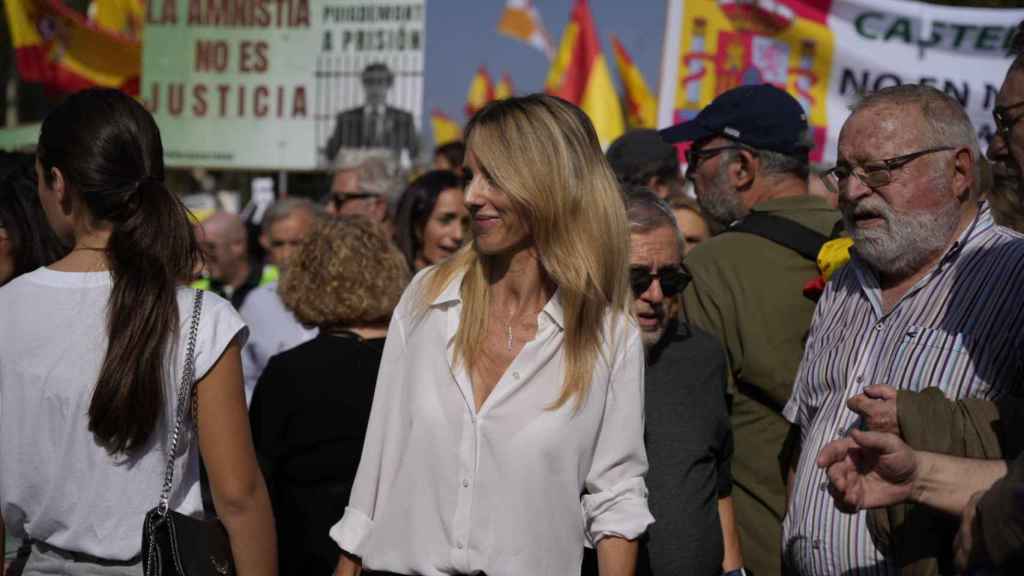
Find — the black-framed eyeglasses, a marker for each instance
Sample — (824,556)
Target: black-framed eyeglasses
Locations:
(694,156)
(1001,115)
(673,279)
(874,174)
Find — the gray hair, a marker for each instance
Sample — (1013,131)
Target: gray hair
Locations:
(773,162)
(947,124)
(284,208)
(376,173)
(647,212)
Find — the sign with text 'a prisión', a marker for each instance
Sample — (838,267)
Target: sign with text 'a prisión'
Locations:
(284,84)
(827,53)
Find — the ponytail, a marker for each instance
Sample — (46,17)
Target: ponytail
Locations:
(149,252)
(108,148)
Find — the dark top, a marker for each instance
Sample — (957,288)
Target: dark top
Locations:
(689,445)
(999,522)
(237,296)
(309,414)
(353,128)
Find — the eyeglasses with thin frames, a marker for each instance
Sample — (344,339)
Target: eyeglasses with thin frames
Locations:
(875,174)
(1001,115)
(694,156)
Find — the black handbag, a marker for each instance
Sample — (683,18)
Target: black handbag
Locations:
(174,544)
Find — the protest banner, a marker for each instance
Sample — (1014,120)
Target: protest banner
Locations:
(284,84)
(827,53)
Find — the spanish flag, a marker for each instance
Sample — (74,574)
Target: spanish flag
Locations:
(641,107)
(124,16)
(580,75)
(481,91)
(58,47)
(504,88)
(522,22)
(445,129)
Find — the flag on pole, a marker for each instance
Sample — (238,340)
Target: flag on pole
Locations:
(58,47)
(445,129)
(641,107)
(481,91)
(522,22)
(580,75)
(504,89)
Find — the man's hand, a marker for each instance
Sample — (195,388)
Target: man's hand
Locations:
(964,552)
(877,408)
(868,470)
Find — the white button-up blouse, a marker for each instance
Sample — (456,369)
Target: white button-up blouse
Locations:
(516,488)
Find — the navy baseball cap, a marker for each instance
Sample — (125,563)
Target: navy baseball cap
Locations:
(760,116)
(637,150)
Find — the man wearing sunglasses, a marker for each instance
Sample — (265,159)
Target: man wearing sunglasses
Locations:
(365,188)
(688,436)
(748,157)
(929,306)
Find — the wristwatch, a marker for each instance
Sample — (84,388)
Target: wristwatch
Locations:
(738,572)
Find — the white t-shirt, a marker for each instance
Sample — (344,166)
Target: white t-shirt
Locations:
(443,488)
(56,484)
(272,330)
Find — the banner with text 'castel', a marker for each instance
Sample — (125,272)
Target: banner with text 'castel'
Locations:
(827,53)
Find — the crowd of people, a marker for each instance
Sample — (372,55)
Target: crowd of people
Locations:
(535,357)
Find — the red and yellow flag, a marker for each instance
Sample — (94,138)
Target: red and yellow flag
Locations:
(641,107)
(521,21)
(124,16)
(504,89)
(445,129)
(58,47)
(580,75)
(481,91)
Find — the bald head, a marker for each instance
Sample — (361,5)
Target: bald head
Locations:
(224,226)
(225,248)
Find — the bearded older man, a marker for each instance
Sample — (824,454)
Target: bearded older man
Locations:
(931,298)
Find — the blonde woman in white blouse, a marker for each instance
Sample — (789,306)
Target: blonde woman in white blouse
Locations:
(512,377)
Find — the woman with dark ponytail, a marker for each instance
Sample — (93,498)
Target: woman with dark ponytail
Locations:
(91,355)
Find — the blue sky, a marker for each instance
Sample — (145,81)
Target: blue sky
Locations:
(462,35)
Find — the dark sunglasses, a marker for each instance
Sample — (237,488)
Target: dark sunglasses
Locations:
(672,280)
(338,200)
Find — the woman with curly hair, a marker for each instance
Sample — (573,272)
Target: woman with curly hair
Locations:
(507,422)
(312,402)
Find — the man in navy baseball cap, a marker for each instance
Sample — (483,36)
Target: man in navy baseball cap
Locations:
(750,127)
(748,164)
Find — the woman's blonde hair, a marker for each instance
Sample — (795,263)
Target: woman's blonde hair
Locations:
(544,154)
(346,273)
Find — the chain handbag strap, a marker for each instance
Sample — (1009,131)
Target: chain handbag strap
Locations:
(184,392)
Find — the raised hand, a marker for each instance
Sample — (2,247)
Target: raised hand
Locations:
(868,470)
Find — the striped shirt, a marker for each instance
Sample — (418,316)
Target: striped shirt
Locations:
(959,328)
